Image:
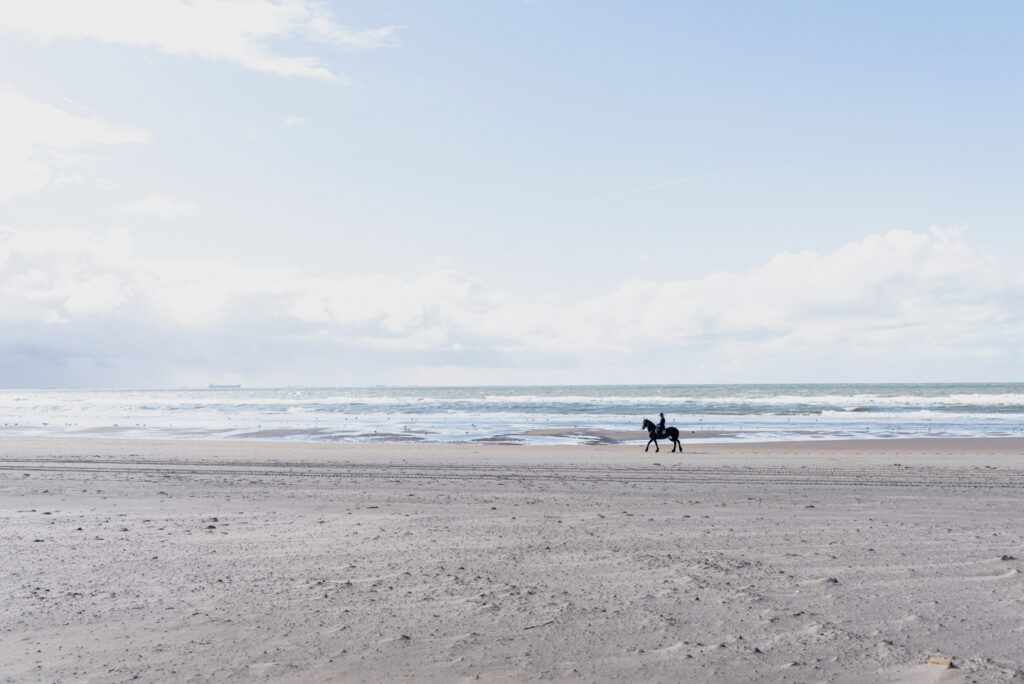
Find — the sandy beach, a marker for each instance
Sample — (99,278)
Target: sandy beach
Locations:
(255,561)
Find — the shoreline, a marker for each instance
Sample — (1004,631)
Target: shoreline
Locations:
(558,437)
(941,446)
(853,560)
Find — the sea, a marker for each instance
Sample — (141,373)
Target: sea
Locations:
(560,414)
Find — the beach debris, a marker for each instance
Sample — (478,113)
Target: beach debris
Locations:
(823,581)
(1007,557)
(941,662)
(542,624)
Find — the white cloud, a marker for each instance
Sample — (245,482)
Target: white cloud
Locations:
(41,143)
(160,206)
(899,296)
(294,120)
(884,292)
(237,31)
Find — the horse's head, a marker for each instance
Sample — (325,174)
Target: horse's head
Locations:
(647,424)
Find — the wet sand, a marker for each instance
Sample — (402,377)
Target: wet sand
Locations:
(812,561)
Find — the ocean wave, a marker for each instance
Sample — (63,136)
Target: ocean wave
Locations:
(473,412)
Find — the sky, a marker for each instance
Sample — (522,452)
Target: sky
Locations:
(297,192)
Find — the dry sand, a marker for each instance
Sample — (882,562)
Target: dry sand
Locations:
(818,561)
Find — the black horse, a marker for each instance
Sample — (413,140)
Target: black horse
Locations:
(670,433)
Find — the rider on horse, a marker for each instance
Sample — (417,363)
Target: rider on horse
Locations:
(659,431)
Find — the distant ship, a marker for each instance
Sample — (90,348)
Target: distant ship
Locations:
(215,386)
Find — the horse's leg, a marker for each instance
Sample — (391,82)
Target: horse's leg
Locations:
(648,445)
(656,449)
